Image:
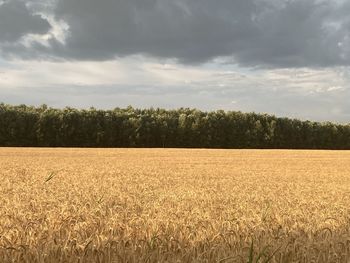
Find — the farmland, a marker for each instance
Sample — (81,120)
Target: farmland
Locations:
(174,205)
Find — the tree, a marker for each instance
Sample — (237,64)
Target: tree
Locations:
(44,126)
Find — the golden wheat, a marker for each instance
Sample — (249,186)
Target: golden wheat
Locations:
(166,205)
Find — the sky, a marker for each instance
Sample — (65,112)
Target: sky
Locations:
(290,58)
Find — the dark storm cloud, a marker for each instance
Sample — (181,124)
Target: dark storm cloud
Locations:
(16,20)
(192,31)
(277,33)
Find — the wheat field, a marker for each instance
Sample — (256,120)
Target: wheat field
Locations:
(174,205)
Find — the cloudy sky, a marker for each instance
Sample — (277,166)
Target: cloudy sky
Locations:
(285,57)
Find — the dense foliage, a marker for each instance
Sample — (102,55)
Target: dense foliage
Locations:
(43,126)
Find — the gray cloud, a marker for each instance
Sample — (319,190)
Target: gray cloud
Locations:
(191,31)
(263,33)
(16,21)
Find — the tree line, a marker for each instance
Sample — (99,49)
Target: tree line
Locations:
(43,126)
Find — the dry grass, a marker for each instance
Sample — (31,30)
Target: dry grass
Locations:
(93,205)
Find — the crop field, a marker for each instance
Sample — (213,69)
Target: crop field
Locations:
(174,205)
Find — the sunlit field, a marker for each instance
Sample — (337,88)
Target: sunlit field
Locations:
(167,205)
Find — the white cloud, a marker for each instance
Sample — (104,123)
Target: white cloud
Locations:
(335,88)
(138,70)
(317,94)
